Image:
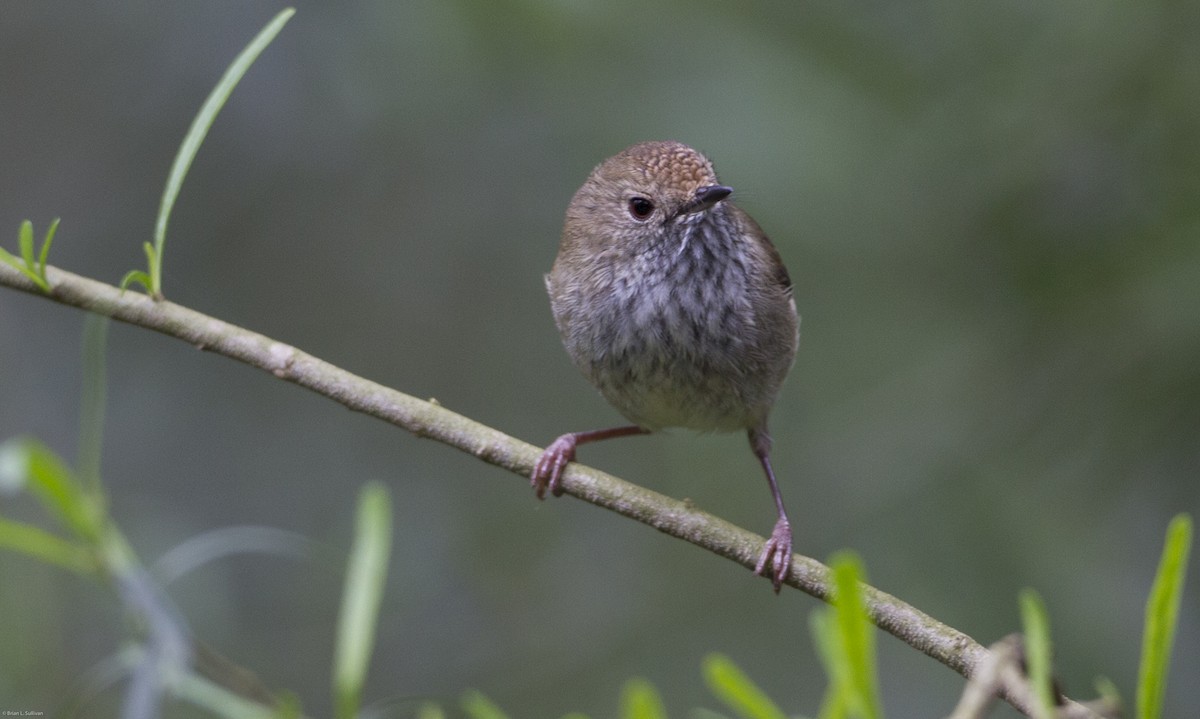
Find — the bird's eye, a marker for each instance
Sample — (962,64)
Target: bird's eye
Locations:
(640,208)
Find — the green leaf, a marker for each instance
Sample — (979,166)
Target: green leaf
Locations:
(835,704)
(640,700)
(733,688)
(197,132)
(150,252)
(45,253)
(1162,614)
(477,706)
(361,596)
(27,463)
(200,691)
(17,264)
(856,634)
(27,264)
(25,243)
(49,548)
(137,276)
(1038,651)
(429,710)
(287,706)
(8,259)
(845,640)
(154,273)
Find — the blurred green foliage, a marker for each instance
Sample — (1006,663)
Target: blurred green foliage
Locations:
(1038,652)
(846,642)
(989,212)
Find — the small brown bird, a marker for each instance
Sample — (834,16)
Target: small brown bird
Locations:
(676,306)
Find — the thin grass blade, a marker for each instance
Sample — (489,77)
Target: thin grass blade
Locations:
(133,276)
(1162,615)
(361,597)
(856,634)
(45,253)
(1038,651)
(730,684)
(197,132)
(640,700)
(25,243)
(19,265)
(42,545)
(28,464)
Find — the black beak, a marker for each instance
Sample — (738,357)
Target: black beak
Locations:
(704,198)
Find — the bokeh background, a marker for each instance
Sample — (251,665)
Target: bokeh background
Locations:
(991,213)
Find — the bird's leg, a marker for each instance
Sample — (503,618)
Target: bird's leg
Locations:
(547,473)
(776,556)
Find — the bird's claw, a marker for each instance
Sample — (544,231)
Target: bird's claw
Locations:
(777,555)
(547,473)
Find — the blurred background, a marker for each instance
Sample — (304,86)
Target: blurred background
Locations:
(990,212)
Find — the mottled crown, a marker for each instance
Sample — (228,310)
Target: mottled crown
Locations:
(667,165)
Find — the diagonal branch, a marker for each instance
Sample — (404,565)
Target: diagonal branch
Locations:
(428,419)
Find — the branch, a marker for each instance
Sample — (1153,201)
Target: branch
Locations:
(428,419)
(1003,671)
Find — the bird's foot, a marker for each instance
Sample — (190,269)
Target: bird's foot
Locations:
(547,473)
(776,558)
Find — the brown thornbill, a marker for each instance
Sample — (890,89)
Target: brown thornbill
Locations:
(676,306)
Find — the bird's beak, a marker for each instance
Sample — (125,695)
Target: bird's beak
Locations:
(704,198)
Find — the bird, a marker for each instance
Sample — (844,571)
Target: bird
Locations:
(675,305)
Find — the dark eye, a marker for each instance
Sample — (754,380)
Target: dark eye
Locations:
(640,208)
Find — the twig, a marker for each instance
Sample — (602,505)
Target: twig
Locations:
(1003,671)
(428,419)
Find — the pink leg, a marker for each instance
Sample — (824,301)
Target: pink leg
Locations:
(547,473)
(776,555)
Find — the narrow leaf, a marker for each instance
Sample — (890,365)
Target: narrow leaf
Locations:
(730,685)
(640,700)
(137,276)
(1036,625)
(154,270)
(29,464)
(26,264)
(361,596)
(477,706)
(40,544)
(25,243)
(45,253)
(19,265)
(199,129)
(856,634)
(9,259)
(195,689)
(834,705)
(1162,614)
